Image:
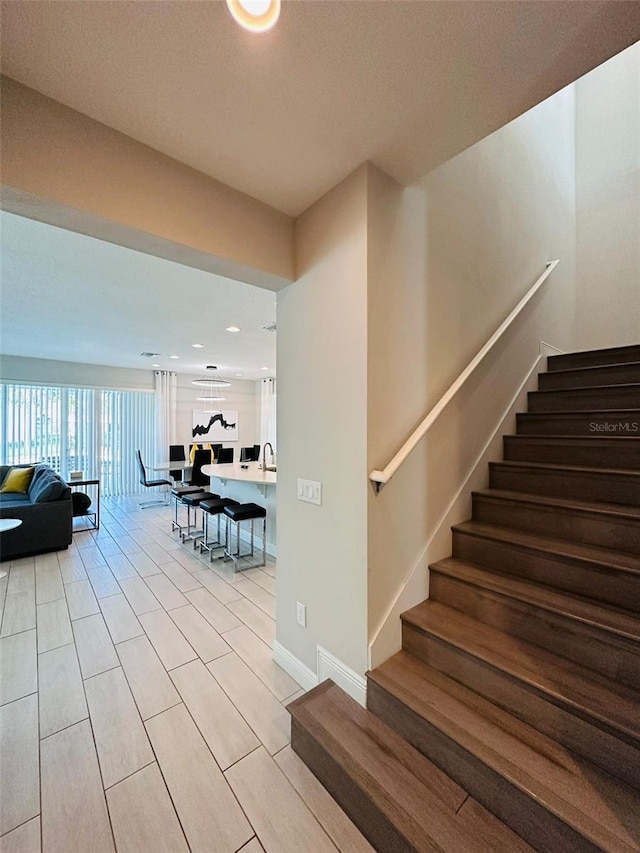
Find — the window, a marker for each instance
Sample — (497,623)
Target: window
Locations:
(79,429)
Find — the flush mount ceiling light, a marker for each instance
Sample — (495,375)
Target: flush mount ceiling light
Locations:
(198,346)
(174,356)
(257,16)
(232,329)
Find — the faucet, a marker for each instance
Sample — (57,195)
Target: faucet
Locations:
(264,455)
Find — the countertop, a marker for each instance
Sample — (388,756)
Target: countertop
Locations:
(233,471)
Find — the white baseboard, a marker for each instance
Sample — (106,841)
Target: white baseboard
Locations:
(329,666)
(294,667)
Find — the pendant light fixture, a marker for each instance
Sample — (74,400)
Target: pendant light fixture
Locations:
(257,16)
(212,382)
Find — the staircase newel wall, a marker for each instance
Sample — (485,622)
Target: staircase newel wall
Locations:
(448,259)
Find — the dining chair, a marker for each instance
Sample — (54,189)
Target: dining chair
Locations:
(200,458)
(150,484)
(225,455)
(176,454)
(247,454)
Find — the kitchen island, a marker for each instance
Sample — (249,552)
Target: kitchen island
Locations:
(246,482)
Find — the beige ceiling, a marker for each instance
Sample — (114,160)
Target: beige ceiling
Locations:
(285,115)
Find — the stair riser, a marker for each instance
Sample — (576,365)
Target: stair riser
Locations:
(615,374)
(580,577)
(594,358)
(515,808)
(606,653)
(600,486)
(587,738)
(599,529)
(376,828)
(595,453)
(571,400)
(585,424)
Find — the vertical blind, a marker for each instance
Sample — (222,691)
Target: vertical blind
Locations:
(79,429)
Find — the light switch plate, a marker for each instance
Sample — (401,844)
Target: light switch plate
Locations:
(310,491)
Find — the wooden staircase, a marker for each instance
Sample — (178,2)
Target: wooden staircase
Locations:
(510,720)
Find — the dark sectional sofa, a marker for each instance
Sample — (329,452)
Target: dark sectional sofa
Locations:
(45,511)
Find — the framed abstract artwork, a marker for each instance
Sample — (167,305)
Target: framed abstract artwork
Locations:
(214,426)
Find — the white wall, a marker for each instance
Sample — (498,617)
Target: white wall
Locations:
(449,258)
(73,374)
(322,425)
(64,168)
(608,203)
(240,397)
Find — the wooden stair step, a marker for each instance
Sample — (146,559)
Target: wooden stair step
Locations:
(602,485)
(585,710)
(605,525)
(593,375)
(583,423)
(594,358)
(554,799)
(625,396)
(598,451)
(398,799)
(603,638)
(597,573)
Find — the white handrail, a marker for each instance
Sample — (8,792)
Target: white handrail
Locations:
(379,478)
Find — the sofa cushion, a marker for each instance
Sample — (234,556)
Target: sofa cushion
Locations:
(8,499)
(17,481)
(48,487)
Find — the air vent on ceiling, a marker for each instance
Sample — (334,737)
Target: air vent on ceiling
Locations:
(149,354)
(269,327)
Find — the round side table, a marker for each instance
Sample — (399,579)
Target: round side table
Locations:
(8,524)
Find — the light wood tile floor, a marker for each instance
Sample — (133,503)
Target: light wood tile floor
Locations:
(138,689)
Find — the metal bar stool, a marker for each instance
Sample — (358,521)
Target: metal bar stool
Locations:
(178,492)
(245,512)
(209,508)
(194,500)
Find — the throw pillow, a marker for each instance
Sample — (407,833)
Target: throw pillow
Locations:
(80,502)
(48,487)
(17,481)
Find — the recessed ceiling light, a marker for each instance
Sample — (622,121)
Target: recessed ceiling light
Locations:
(239,374)
(264,368)
(198,346)
(174,356)
(232,329)
(155,365)
(257,16)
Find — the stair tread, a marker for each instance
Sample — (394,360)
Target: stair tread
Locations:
(419,799)
(597,440)
(570,469)
(603,353)
(582,389)
(599,807)
(586,692)
(583,610)
(622,511)
(562,547)
(589,368)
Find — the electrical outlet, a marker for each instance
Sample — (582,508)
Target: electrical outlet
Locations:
(301,614)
